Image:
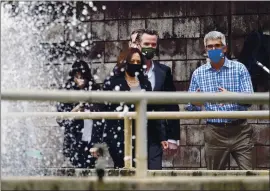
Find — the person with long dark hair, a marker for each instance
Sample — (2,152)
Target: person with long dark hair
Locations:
(80,135)
(128,75)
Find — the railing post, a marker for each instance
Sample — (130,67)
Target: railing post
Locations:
(128,142)
(141,139)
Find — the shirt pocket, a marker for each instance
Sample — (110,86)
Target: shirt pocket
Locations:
(231,83)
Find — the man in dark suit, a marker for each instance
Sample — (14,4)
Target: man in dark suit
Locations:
(161,79)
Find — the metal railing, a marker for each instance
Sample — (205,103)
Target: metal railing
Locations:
(141,99)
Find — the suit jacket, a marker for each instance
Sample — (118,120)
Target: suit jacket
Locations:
(156,128)
(164,82)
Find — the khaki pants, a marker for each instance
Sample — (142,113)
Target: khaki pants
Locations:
(220,142)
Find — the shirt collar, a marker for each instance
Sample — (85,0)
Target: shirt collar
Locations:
(227,63)
(151,69)
(153,66)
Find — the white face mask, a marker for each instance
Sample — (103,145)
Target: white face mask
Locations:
(80,82)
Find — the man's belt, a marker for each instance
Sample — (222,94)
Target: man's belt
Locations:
(232,123)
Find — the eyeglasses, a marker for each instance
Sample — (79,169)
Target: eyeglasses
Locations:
(211,46)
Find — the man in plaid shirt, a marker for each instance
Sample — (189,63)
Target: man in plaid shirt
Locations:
(223,136)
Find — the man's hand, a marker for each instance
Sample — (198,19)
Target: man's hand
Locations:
(222,90)
(172,149)
(195,103)
(172,146)
(164,145)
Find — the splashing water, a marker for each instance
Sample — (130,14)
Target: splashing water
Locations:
(25,52)
(19,55)
(22,66)
(124,112)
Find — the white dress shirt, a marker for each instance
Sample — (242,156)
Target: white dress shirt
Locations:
(87,129)
(151,77)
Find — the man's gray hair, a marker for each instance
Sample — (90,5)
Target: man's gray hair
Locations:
(215,35)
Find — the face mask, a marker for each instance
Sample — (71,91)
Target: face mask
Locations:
(80,82)
(148,52)
(131,69)
(215,55)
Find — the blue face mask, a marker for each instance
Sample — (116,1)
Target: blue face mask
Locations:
(215,55)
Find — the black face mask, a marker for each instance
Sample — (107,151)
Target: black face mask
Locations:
(148,52)
(131,69)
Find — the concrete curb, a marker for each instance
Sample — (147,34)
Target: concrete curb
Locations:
(131,172)
(127,183)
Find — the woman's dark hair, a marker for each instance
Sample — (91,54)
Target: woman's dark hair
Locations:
(83,68)
(124,58)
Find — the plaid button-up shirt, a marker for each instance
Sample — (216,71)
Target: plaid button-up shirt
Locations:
(233,76)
